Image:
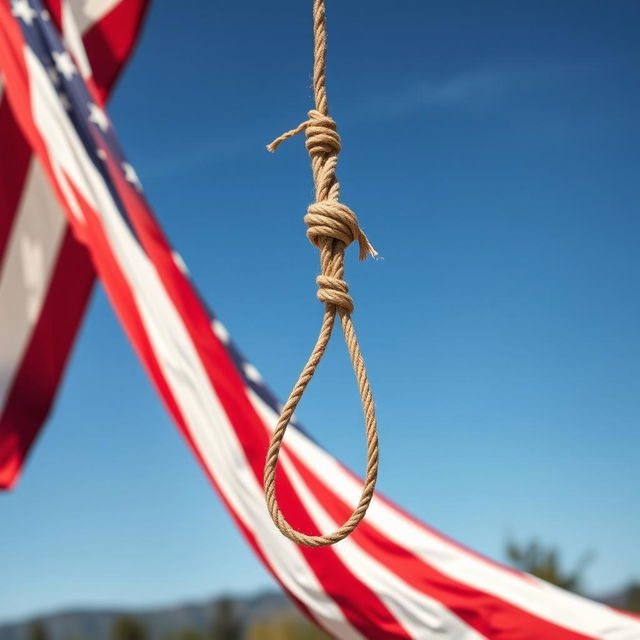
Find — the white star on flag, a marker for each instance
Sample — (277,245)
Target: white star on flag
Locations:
(53,76)
(22,9)
(64,101)
(98,116)
(131,176)
(64,64)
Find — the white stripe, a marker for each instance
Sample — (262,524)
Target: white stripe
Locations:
(180,364)
(37,229)
(539,598)
(423,617)
(38,226)
(87,12)
(225,458)
(217,443)
(72,31)
(29,259)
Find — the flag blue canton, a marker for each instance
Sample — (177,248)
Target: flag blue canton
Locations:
(89,119)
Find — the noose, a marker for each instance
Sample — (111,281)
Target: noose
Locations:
(332,227)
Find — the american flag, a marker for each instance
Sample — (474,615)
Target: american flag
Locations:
(70,206)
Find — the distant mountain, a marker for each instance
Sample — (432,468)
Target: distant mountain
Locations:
(160,623)
(179,622)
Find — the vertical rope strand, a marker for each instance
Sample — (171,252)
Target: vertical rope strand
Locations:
(332,227)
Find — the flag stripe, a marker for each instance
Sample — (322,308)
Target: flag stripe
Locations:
(253,435)
(454,594)
(181,364)
(14,165)
(109,51)
(248,427)
(27,266)
(90,189)
(418,611)
(109,41)
(215,379)
(217,448)
(33,390)
(458,566)
(394,578)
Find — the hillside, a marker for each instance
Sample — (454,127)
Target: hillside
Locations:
(255,615)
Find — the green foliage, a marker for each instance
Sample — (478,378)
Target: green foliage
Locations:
(285,627)
(226,624)
(37,631)
(186,634)
(128,628)
(544,562)
(633,598)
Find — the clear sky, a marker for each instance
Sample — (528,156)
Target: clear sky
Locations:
(492,153)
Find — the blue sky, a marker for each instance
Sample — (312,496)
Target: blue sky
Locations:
(492,152)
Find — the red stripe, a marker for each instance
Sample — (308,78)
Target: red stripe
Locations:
(490,615)
(14,163)
(21,420)
(31,396)
(55,10)
(362,607)
(109,42)
(371,617)
(438,534)
(115,284)
(123,301)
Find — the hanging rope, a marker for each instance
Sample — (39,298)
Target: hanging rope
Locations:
(332,227)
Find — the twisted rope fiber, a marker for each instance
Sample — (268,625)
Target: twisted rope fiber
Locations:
(332,227)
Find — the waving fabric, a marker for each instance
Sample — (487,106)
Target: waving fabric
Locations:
(394,577)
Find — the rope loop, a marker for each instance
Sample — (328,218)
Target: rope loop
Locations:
(331,227)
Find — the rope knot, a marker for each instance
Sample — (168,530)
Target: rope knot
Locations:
(322,135)
(332,227)
(321,132)
(333,220)
(334,291)
(326,218)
